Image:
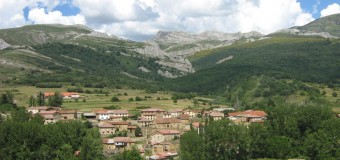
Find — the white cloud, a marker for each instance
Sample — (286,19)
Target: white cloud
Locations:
(38,16)
(109,11)
(331,9)
(12,14)
(143,18)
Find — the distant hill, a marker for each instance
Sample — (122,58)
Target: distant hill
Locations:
(329,24)
(276,64)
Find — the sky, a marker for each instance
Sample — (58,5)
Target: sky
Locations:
(141,19)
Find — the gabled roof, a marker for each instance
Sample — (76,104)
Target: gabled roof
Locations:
(67,111)
(248,113)
(167,120)
(48,112)
(153,110)
(120,111)
(64,94)
(175,111)
(105,125)
(38,108)
(108,141)
(144,120)
(216,114)
(184,117)
(196,124)
(123,139)
(104,111)
(169,132)
(119,123)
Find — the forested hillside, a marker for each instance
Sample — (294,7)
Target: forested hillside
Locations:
(307,59)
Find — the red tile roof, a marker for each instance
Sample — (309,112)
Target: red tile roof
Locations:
(248,113)
(48,112)
(105,125)
(119,123)
(64,94)
(68,111)
(167,120)
(123,139)
(169,132)
(216,114)
(120,111)
(108,141)
(184,117)
(153,110)
(196,124)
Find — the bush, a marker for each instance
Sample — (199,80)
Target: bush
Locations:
(138,99)
(114,99)
(48,85)
(112,107)
(334,94)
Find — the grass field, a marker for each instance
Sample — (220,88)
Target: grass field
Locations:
(98,101)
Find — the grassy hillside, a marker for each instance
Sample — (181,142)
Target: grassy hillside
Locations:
(275,67)
(56,63)
(330,24)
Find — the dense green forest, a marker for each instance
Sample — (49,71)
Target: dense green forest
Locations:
(290,131)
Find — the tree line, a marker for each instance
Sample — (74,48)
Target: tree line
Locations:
(290,131)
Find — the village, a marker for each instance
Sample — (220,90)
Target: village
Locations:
(154,132)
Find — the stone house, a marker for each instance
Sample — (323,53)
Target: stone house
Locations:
(120,126)
(106,128)
(68,114)
(162,123)
(142,122)
(123,142)
(248,116)
(216,115)
(164,135)
(108,144)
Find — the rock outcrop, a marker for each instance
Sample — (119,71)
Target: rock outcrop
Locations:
(3,44)
(173,48)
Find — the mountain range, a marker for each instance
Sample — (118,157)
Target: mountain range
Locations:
(206,62)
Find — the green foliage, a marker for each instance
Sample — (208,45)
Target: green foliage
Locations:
(138,132)
(56,100)
(25,137)
(114,99)
(6,98)
(334,94)
(40,99)
(32,101)
(112,107)
(306,59)
(138,98)
(290,131)
(132,154)
(48,85)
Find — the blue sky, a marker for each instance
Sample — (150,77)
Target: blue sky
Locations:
(142,19)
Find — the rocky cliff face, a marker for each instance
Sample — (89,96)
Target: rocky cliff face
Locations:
(173,48)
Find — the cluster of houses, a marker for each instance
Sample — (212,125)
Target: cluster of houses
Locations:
(161,129)
(65,95)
